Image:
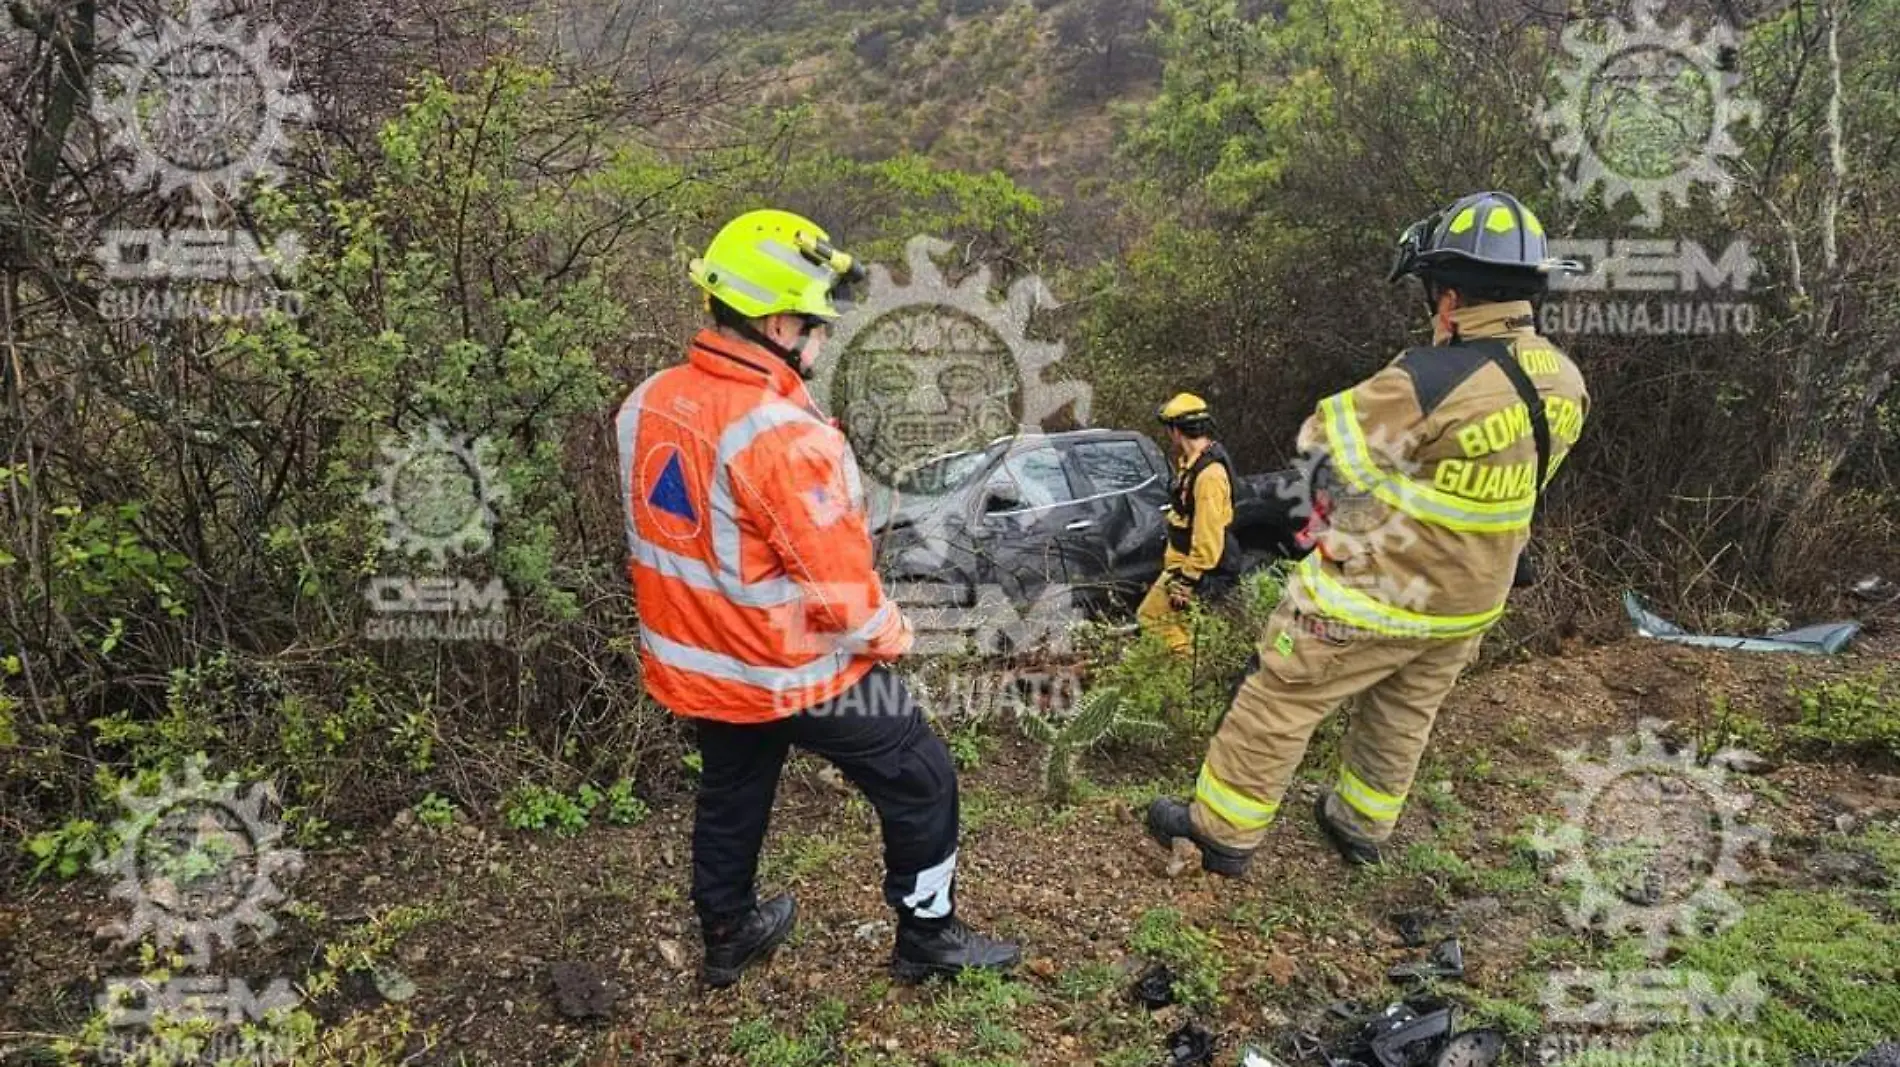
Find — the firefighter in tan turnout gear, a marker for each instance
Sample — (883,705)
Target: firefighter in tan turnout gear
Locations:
(1426,478)
(1203,556)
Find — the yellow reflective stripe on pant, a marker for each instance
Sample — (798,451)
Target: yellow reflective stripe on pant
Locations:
(1367,801)
(1236,808)
(1341,602)
(1355,460)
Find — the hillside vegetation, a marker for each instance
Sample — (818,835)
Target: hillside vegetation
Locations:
(484,215)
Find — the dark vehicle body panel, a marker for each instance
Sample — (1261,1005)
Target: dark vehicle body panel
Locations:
(1083,510)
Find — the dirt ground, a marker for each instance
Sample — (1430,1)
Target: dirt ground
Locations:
(1078,885)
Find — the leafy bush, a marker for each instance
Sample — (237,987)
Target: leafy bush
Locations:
(537,807)
(1140,692)
(68,850)
(435,811)
(623,808)
(1854,714)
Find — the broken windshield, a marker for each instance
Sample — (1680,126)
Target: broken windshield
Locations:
(920,490)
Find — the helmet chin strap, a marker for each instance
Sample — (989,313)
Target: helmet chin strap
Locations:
(793,356)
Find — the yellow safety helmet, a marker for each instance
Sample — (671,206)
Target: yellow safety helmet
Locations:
(770,262)
(1186,412)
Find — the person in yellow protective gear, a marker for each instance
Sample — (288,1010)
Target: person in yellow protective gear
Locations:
(1449,448)
(1202,559)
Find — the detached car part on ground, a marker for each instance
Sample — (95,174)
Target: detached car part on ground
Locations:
(1079,511)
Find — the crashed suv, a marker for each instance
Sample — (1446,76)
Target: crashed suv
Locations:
(1081,510)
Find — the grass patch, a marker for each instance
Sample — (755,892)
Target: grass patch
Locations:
(1164,934)
(1515,1018)
(764,1045)
(1732,728)
(1830,971)
(799,856)
(1519,877)
(1086,982)
(983,807)
(1428,859)
(983,1004)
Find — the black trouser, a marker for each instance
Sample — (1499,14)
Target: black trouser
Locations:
(877,737)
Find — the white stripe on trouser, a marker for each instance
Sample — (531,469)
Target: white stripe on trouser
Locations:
(930,896)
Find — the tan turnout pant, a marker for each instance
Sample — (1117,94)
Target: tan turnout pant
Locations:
(1308,667)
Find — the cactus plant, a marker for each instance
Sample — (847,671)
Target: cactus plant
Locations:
(1099,714)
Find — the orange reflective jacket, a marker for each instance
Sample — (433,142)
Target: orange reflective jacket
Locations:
(751,558)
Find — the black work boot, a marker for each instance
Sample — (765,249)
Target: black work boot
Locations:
(1169,821)
(744,941)
(1352,850)
(929,948)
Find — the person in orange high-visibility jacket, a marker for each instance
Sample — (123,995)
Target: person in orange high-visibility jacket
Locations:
(761,616)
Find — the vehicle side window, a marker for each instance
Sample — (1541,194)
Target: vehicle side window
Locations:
(1113,466)
(1032,478)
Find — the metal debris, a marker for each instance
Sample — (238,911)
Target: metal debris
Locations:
(1191,1045)
(1825,638)
(1154,989)
(1446,961)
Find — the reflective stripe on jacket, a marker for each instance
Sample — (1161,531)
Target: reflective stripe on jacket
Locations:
(1439,444)
(750,556)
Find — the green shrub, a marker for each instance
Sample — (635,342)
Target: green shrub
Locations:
(537,807)
(1855,714)
(68,850)
(623,808)
(435,811)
